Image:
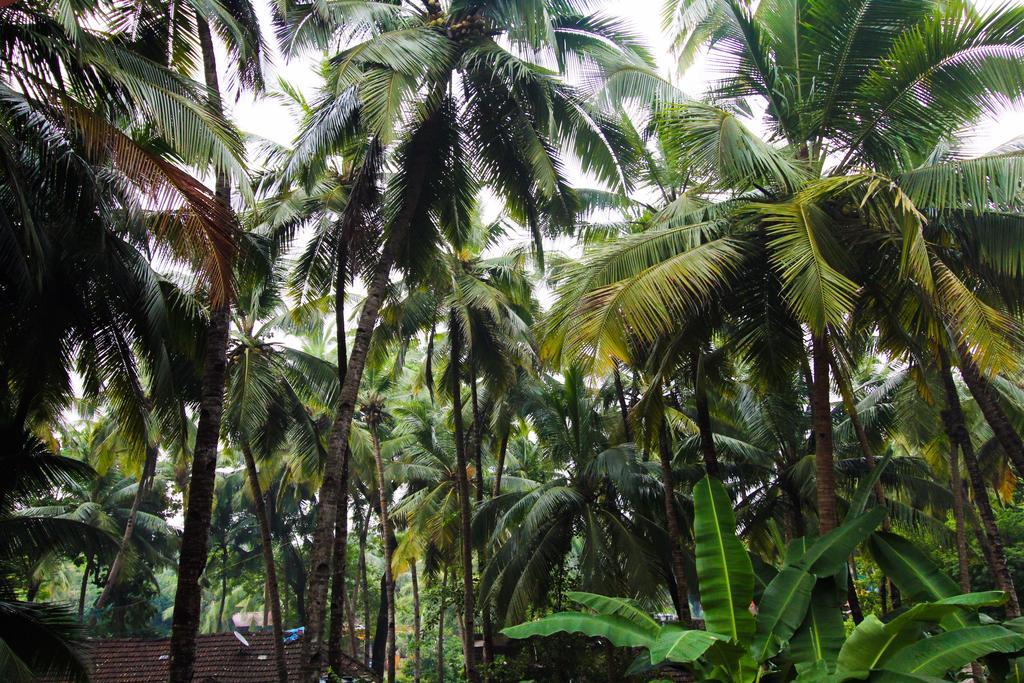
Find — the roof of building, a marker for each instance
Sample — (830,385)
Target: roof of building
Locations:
(220,657)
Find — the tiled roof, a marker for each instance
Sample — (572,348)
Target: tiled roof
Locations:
(219,657)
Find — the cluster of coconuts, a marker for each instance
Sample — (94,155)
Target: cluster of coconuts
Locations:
(473,24)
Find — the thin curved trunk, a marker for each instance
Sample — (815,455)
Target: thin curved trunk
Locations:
(957,486)
(353,637)
(378,656)
(675,535)
(85,587)
(500,468)
(988,402)
(327,510)
(148,470)
(339,562)
(195,537)
(223,587)
(385,528)
(462,479)
(440,626)
(707,433)
(365,583)
(850,405)
(485,615)
(957,432)
(620,394)
(417,664)
(821,410)
(267,547)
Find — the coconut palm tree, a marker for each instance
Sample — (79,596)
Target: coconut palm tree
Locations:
(436,81)
(604,497)
(836,169)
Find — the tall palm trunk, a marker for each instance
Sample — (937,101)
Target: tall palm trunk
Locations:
(454,341)
(707,433)
(418,163)
(627,430)
(957,431)
(416,634)
(223,588)
(267,547)
(957,486)
(84,587)
(350,611)
(364,525)
(339,562)
(385,528)
(195,537)
(821,413)
(850,405)
(485,613)
(148,471)
(675,535)
(500,467)
(440,625)
(988,402)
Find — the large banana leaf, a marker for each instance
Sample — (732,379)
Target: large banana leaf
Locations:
(917,577)
(818,640)
(618,631)
(872,643)
(676,644)
(781,611)
(827,556)
(953,649)
(617,607)
(865,489)
(724,571)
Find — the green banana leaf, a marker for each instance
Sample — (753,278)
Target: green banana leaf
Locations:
(781,611)
(953,649)
(677,644)
(827,556)
(821,636)
(617,607)
(619,631)
(724,571)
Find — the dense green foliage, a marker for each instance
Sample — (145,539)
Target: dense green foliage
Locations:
(513,322)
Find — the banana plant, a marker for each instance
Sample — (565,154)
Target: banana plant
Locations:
(795,631)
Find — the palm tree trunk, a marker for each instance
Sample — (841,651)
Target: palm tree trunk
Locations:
(148,470)
(378,657)
(957,486)
(463,493)
(416,661)
(85,587)
(353,637)
(440,625)
(627,430)
(958,434)
(339,562)
(675,535)
(385,528)
(485,615)
(821,412)
(327,510)
(988,402)
(707,433)
(365,583)
(195,537)
(223,587)
(850,405)
(500,468)
(267,546)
